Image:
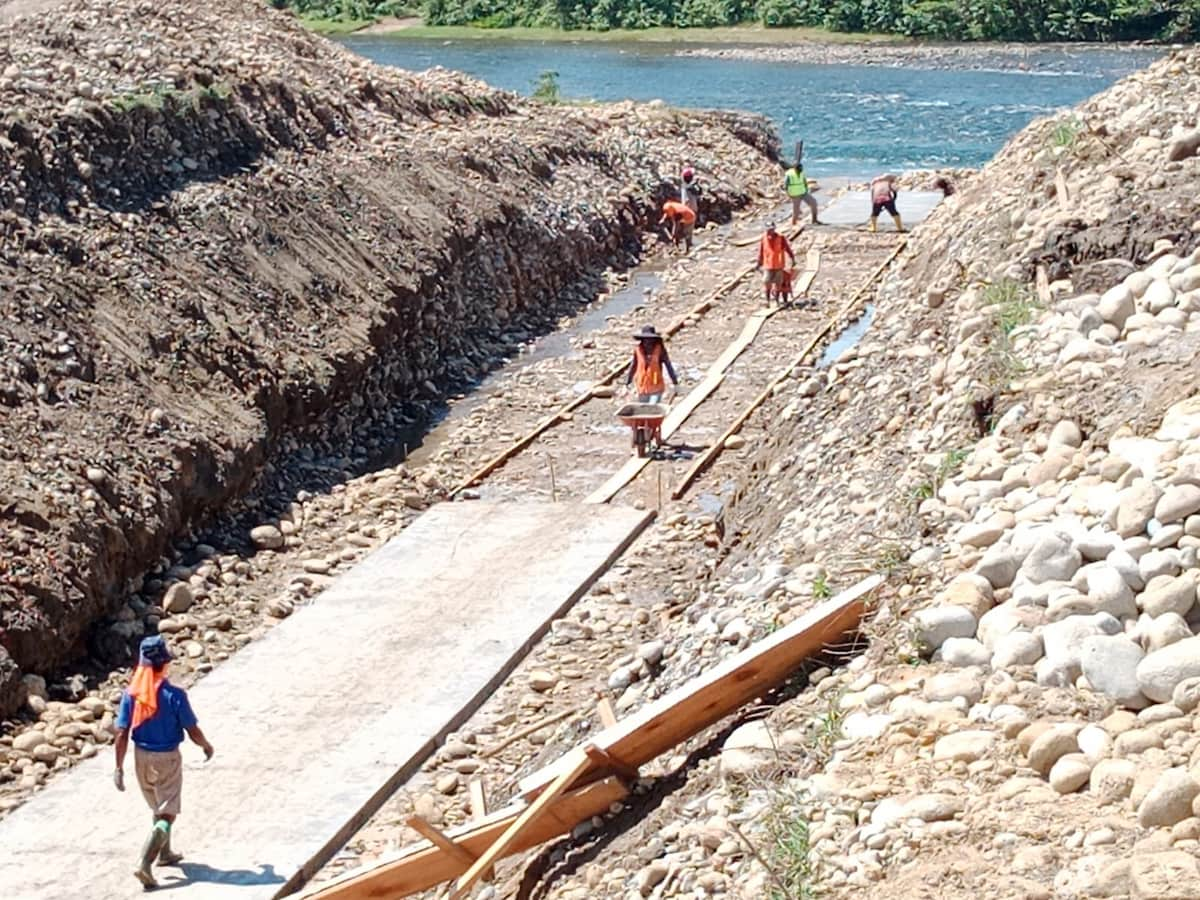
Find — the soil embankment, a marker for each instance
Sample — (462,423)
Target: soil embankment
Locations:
(228,244)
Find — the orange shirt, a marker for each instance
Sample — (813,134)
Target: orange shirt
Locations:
(649,377)
(674,209)
(773,252)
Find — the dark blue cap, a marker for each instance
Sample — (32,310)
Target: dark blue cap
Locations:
(154,651)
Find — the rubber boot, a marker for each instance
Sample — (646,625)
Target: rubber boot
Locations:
(872,227)
(899,224)
(167,856)
(154,843)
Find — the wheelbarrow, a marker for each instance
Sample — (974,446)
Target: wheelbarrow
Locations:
(645,420)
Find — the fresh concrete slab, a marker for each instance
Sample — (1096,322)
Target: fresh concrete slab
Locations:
(854,209)
(317,722)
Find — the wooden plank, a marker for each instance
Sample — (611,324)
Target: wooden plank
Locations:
(705,459)
(812,265)
(425,865)
(479,808)
(678,414)
(705,700)
(604,709)
(439,840)
(576,762)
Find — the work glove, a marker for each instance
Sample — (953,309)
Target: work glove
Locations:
(119,779)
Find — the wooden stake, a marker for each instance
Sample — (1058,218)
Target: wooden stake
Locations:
(443,843)
(606,760)
(479,808)
(577,763)
(608,718)
(528,730)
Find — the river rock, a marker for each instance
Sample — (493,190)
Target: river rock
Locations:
(1070,773)
(963,652)
(1167,875)
(1007,618)
(1163,631)
(749,749)
(1053,557)
(1177,503)
(1112,780)
(1109,592)
(1135,507)
(934,625)
(1186,695)
(970,591)
(1117,305)
(964,746)
(999,565)
(1162,670)
(266,537)
(178,599)
(1019,648)
(29,741)
(1065,433)
(1170,800)
(1051,745)
(947,686)
(1109,663)
(1063,640)
(1168,594)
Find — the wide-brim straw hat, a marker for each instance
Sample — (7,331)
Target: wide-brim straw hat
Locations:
(647,332)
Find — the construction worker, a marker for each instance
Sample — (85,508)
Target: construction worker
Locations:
(773,250)
(646,370)
(883,196)
(156,714)
(800,190)
(681,222)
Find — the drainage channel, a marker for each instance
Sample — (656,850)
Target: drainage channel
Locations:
(848,338)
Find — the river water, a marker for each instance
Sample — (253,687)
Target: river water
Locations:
(855,120)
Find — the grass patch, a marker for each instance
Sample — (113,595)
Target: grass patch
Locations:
(1013,305)
(820,588)
(733,34)
(322,25)
(545,88)
(789,853)
(1064,136)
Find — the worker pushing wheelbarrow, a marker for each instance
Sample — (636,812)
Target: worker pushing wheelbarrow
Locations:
(645,374)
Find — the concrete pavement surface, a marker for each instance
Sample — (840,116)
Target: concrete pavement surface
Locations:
(315,723)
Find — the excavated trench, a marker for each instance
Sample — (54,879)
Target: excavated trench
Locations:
(226,293)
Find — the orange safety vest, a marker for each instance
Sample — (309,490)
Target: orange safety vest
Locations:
(772,251)
(674,209)
(648,379)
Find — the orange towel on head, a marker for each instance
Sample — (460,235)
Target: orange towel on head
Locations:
(143,688)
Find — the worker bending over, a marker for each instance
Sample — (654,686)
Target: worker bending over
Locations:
(883,196)
(681,222)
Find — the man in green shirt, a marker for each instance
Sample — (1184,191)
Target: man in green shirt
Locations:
(795,182)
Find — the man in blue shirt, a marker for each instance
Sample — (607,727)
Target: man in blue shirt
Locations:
(156,714)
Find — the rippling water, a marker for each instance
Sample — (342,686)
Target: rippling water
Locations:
(854,120)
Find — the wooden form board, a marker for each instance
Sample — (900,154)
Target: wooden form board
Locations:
(425,865)
(679,414)
(607,378)
(711,381)
(706,458)
(707,699)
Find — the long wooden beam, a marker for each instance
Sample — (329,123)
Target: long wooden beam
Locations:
(707,699)
(705,459)
(422,866)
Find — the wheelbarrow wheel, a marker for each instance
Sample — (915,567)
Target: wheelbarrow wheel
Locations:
(640,439)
